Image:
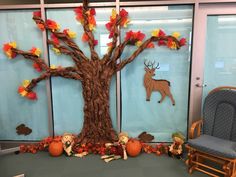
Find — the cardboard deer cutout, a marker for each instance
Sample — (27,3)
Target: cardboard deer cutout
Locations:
(150,84)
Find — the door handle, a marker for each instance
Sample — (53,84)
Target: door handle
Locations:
(200,85)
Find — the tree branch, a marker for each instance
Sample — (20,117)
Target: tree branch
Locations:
(114,38)
(65,51)
(88,32)
(122,64)
(67,72)
(32,57)
(62,36)
(119,50)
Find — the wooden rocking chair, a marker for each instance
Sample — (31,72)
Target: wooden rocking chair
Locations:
(214,137)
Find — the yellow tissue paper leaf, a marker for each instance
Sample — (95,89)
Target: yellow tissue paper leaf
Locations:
(71,34)
(113,14)
(176,34)
(138,43)
(23,93)
(25,83)
(155,32)
(53,67)
(56,51)
(13,44)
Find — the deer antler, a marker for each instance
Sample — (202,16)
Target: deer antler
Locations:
(147,65)
(156,67)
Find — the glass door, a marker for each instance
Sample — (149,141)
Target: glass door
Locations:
(220,53)
(214,53)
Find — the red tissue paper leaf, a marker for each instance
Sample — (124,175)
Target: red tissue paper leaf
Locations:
(78,10)
(92,11)
(37,14)
(109,26)
(134,36)
(161,33)
(182,41)
(37,67)
(161,42)
(111,35)
(123,13)
(52,25)
(95,42)
(55,39)
(32,96)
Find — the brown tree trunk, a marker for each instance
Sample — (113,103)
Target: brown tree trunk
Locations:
(97,126)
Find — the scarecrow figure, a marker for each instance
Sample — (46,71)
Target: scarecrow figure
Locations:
(68,143)
(116,150)
(176,148)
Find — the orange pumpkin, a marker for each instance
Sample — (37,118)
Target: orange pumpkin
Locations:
(55,148)
(133,147)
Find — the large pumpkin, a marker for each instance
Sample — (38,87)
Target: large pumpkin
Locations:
(133,147)
(55,148)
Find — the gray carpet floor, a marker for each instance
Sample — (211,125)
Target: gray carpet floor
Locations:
(42,165)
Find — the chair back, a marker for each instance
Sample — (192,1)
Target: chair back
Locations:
(219,114)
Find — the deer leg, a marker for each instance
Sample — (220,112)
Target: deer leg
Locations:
(172,99)
(148,94)
(163,95)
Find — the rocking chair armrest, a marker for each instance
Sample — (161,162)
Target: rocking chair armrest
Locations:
(195,126)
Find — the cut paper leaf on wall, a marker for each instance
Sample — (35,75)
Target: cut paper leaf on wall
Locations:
(115,20)
(134,38)
(24,93)
(7,48)
(158,33)
(35,51)
(23,130)
(145,137)
(52,25)
(69,33)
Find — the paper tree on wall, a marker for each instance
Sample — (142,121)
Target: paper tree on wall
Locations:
(94,73)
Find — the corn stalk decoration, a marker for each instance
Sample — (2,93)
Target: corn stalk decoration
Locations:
(93,72)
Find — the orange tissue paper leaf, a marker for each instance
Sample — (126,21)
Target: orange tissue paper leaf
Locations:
(21,89)
(171,44)
(85,37)
(41,26)
(35,51)
(151,45)
(7,48)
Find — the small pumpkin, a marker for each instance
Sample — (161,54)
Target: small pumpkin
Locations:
(55,148)
(133,147)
